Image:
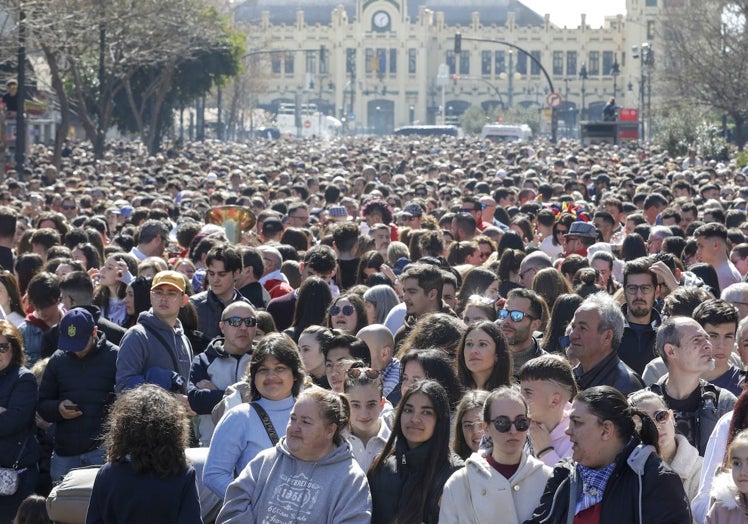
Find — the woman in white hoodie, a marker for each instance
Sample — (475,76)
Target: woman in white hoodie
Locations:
(503,480)
(675,450)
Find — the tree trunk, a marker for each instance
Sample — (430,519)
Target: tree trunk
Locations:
(62,130)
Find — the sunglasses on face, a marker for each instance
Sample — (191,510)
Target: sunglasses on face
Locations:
(367,372)
(515,316)
(504,424)
(346,310)
(661,415)
(237,321)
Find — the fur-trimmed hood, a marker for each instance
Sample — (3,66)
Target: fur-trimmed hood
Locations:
(725,491)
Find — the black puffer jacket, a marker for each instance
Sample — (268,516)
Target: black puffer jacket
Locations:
(394,484)
(88,382)
(18,395)
(641,490)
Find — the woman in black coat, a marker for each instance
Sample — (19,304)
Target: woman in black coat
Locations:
(615,473)
(408,477)
(18,398)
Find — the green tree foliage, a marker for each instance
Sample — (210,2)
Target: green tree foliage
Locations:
(473,120)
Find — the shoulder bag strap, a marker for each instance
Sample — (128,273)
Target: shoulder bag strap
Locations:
(20,453)
(166,345)
(266,422)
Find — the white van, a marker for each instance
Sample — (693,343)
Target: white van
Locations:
(506,132)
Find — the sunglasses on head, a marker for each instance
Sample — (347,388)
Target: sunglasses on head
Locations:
(504,424)
(516,316)
(237,321)
(367,372)
(346,310)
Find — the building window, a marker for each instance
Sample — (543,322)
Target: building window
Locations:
(412,61)
(485,62)
(534,67)
(499,62)
(451,62)
(350,61)
(521,67)
(465,63)
(311,61)
(593,64)
(288,64)
(650,30)
(323,63)
(381,63)
(393,61)
(651,3)
(571,63)
(275,62)
(607,62)
(558,63)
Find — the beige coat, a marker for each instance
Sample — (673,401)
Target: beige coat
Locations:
(479,494)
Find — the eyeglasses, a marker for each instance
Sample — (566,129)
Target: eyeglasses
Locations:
(68,208)
(367,372)
(661,415)
(515,316)
(237,321)
(5,347)
(633,289)
(504,424)
(561,231)
(346,310)
(472,426)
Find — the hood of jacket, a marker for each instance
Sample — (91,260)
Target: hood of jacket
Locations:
(339,453)
(686,459)
(215,348)
(149,319)
(725,491)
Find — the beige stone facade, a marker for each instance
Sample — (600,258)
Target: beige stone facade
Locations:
(381,63)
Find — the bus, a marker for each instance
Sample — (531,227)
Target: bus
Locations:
(429,130)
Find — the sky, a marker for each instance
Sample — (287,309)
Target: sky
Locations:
(567,12)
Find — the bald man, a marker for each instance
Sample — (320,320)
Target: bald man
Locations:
(381,346)
(223,363)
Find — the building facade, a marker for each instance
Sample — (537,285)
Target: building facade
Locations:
(381,64)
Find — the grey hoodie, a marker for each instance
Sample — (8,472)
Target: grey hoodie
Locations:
(143,358)
(276,487)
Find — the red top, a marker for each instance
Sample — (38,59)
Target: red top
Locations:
(589,516)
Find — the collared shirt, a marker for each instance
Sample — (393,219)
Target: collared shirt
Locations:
(365,454)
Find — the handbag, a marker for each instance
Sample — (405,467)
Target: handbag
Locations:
(272,435)
(9,479)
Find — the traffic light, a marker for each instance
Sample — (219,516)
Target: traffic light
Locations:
(458,43)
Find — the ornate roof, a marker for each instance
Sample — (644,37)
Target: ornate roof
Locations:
(455,13)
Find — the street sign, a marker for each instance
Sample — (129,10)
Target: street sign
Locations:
(442,77)
(553,100)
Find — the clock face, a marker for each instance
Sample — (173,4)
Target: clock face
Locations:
(381,20)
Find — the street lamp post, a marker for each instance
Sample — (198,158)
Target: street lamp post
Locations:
(511,78)
(615,70)
(583,76)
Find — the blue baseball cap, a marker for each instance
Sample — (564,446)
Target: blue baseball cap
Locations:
(76,328)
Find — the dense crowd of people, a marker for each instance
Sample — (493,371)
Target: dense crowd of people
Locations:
(376,329)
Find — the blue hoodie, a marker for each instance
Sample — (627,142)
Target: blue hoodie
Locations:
(278,487)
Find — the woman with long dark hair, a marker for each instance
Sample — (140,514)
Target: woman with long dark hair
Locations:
(483,359)
(407,478)
(616,472)
(311,306)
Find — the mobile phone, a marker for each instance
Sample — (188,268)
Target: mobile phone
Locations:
(72,407)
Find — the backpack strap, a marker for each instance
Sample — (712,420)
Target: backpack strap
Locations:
(266,422)
(166,345)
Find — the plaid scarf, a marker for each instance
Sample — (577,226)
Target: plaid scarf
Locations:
(593,485)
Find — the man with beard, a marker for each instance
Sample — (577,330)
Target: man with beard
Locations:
(524,313)
(640,287)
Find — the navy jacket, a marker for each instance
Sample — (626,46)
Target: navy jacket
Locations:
(18,395)
(88,382)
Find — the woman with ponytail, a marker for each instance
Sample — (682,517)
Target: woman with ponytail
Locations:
(615,469)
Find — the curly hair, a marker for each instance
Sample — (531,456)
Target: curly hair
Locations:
(149,428)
